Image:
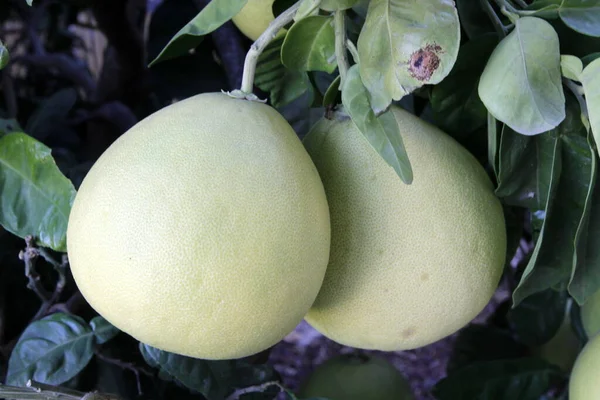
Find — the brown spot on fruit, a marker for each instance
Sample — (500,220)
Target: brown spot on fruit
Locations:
(424,276)
(424,62)
(408,332)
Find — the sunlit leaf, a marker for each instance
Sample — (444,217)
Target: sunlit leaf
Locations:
(381,132)
(521,83)
(571,67)
(405,44)
(35,197)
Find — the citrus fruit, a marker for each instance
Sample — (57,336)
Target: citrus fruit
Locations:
(590,315)
(204,230)
(356,377)
(254,18)
(409,264)
(563,348)
(584,383)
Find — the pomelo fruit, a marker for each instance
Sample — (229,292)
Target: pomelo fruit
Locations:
(590,315)
(254,18)
(204,230)
(409,264)
(584,383)
(563,348)
(356,377)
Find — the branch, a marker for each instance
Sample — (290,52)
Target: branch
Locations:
(137,370)
(29,256)
(498,25)
(253,389)
(340,44)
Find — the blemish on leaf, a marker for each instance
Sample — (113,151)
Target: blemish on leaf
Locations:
(424,62)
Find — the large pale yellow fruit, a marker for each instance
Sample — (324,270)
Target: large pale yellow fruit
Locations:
(585,377)
(254,18)
(563,348)
(204,230)
(409,264)
(590,315)
(356,377)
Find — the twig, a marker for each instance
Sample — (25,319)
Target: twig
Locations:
(498,25)
(253,389)
(353,50)
(29,257)
(340,44)
(257,47)
(41,391)
(137,370)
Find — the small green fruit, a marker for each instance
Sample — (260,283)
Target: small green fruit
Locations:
(357,377)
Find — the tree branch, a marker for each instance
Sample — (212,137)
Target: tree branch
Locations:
(137,370)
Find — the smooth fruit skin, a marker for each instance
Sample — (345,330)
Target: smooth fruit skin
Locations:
(254,18)
(204,230)
(409,264)
(356,377)
(584,383)
(590,315)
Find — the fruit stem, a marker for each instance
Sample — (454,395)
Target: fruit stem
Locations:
(258,47)
(340,44)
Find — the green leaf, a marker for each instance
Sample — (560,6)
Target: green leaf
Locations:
(333,5)
(537,318)
(456,106)
(52,350)
(103,330)
(381,132)
(51,113)
(29,2)
(473,19)
(215,14)
(405,44)
(544,8)
(213,379)
(332,94)
(492,139)
(582,16)
(283,84)
(521,83)
(472,345)
(571,67)
(36,197)
(525,169)
(555,253)
(590,79)
(589,58)
(4,56)
(585,278)
(310,45)
(525,378)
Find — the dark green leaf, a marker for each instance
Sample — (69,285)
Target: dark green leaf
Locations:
(525,169)
(589,58)
(215,14)
(585,279)
(473,19)
(544,8)
(555,256)
(51,113)
(333,5)
(455,102)
(492,139)
(526,378)
(590,79)
(381,132)
(213,379)
(36,197)
(284,85)
(4,56)
(581,15)
(537,318)
(9,126)
(405,44)
(473,345)
(310,45)
(103,330)
(51,350)
(521,83)
(331,96)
